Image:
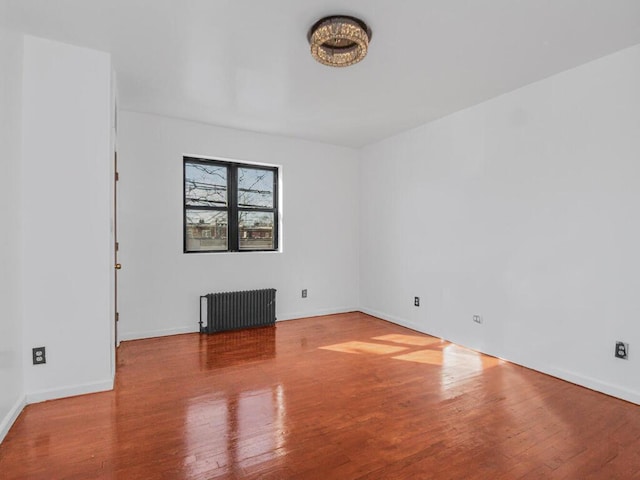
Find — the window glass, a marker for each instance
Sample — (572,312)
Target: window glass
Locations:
(255,188)
(256,230)
(206,230)
(205,185)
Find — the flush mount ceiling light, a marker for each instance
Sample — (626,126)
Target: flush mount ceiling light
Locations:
(339,40)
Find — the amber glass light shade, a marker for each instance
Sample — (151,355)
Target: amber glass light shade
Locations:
(339,41)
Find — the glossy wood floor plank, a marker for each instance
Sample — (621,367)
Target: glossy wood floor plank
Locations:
(338,397)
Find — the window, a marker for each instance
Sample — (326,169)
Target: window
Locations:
(229,207)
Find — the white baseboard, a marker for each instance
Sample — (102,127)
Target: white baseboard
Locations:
(71,391)
(11,416)
(572,377)
(315,313)
(124,336)
(587,382)
(393,319)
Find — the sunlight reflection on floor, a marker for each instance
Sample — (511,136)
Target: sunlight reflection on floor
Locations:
(364,347)
(451,356)
(432,357)
(422,341)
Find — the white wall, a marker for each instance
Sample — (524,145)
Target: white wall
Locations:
(159,286)
(523,209)
(66,202)
(11,368)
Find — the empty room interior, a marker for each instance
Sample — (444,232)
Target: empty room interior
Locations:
(350,240)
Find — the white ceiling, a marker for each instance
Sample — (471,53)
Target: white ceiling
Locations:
(246,64)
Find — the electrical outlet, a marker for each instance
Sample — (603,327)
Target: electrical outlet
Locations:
(416,301)
(477,318)
(39,355)
(304,293)
(622,350)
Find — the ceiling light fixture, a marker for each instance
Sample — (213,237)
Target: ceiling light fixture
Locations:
(339,40)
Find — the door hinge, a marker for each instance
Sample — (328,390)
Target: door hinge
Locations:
(117,176)
(117,246)
(117,317)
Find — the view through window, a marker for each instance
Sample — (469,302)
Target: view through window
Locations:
(229,206)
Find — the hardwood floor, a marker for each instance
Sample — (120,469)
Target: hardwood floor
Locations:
(337,397)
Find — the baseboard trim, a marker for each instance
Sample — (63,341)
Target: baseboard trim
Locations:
(394,319)
(10,418)
(316,313)
(125,336)
(586,382)
(565,375)
(71,391)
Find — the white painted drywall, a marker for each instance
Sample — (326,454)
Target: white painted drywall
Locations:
(11,367)
(523,209)
(66,218)
(160,285)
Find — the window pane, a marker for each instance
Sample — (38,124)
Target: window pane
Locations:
(205,185)
(206,230)
(255,188)
(255,230)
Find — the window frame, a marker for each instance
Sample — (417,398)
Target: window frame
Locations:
(232,208)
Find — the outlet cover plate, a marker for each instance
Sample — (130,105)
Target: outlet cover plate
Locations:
(39,355)
(477,318)
(622,350)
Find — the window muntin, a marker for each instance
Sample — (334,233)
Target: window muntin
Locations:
(229,206)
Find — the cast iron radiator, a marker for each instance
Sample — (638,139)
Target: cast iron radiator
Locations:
(234,310)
